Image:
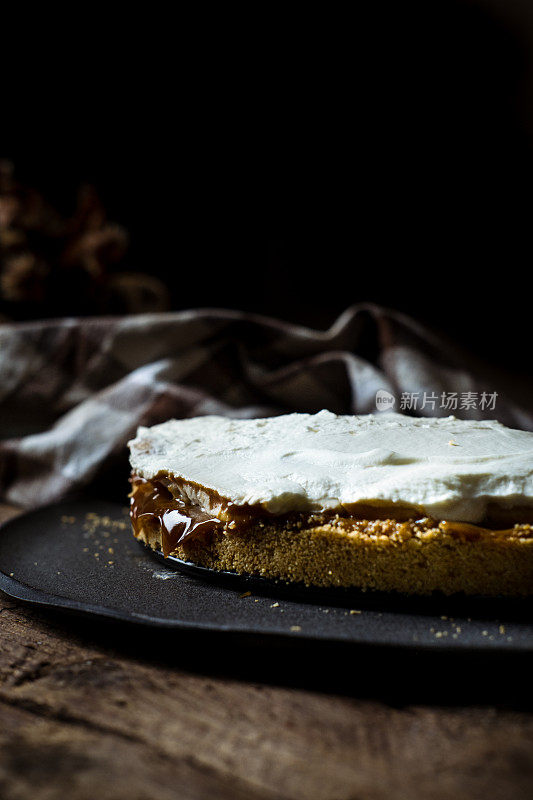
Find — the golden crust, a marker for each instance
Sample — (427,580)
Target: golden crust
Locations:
(386,555)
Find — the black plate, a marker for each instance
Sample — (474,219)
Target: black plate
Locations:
(82,556)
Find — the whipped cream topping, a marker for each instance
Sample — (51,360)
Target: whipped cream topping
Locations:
(447,468)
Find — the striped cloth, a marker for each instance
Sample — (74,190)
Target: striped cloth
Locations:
(73,391)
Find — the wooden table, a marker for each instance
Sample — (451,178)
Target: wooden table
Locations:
(101,710)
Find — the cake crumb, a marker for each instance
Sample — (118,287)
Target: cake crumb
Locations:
(355,611)
(295,628)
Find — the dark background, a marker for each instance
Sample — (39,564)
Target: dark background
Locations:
(294,165)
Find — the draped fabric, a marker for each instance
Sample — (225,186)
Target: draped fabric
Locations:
(73,391)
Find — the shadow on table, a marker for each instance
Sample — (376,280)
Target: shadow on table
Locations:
(397,676)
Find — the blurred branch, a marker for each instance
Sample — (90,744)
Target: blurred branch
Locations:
(56,264)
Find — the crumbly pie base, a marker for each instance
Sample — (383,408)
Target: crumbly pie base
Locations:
(408,556)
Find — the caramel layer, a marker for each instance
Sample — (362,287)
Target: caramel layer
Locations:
(153,506)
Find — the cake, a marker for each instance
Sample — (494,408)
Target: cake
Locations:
(379,502)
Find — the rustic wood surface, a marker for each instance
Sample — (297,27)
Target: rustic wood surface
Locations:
(101,710)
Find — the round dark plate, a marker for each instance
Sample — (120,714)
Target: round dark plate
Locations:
(82,556)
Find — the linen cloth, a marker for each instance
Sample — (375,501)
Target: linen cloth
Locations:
(73,391)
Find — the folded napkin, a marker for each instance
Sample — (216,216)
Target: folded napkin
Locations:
(73,391)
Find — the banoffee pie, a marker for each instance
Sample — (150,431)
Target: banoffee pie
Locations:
(383,502)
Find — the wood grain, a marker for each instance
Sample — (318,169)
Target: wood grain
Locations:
(107,711)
